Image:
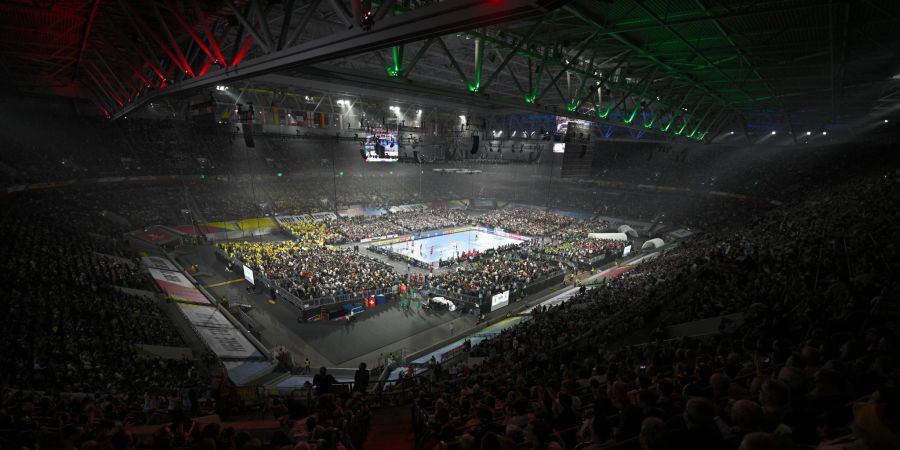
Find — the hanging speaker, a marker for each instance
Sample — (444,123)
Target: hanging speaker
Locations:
(475,142)
(583,151)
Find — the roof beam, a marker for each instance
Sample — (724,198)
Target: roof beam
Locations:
(84,37)
(250,28)
(421,23)
(303,22)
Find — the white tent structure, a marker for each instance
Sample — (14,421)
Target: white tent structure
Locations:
(653,243)
(450,306)
(628,230)
(609,236)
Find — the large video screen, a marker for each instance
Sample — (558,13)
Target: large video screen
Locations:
(382,147)
(580,125)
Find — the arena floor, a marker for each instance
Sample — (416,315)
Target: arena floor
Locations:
(433,249)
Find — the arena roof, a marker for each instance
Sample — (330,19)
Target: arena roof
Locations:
(686,69)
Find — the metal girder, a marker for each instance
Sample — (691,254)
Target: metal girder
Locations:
(459,71)
(159,42)
(342,12)
(188,29)
(303,22)
(509,56)
(150,55)
(648,81)
(407,68)
(383,9)
(85,36)
(590,19)
(245,23)
(113,75)
(288,11)
(575,70)
(581,48)
(749,63)
(581,85)
(415,25)
(685,18)
(553,84)
(213,42)
(690,46)
(516,80)
(713,123)
(263,22)
(440,95)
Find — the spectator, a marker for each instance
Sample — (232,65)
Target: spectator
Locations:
(324,382)
(361,379)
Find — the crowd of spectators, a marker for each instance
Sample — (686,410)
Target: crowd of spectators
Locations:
(573,243)
(815,282)
(318,232)
(582,249)
(820,318)
(310,271)
(428,219)
(73,342)
(494,271)
(528,222)
(357,228)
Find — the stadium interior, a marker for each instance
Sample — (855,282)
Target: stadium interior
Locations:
(449,224)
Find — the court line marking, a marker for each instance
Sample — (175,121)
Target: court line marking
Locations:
(236,280)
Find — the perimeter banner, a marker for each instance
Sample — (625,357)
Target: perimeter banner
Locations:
(158,262)
(204,316)
(228,343)
(178,287)
(223,338)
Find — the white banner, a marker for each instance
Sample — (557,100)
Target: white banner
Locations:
(158,262)
(228,343)
(500,300)
(292,219)
(218,333)
(248,275)
(609,236)
(320,216)
(204,316)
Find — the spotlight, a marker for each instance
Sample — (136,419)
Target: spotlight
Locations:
(731,132)
(885,121)
(368,19)
(774,132)
(808,133)
(824,133)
